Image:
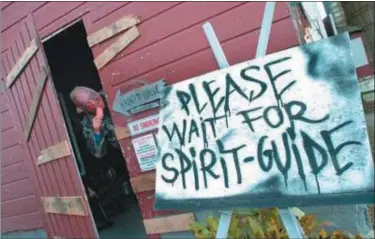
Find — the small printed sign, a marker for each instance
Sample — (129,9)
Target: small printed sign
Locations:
(144,125)
(146,151)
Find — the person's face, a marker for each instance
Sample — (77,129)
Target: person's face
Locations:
(93,104)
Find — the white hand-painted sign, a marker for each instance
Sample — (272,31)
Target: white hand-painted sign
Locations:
(146,151)
(144,125)
(284,130)
(136,100)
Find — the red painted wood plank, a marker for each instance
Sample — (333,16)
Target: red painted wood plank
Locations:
(143,10)
(146,203)
(30,155)
(16,11)
(26,86)
(31,146)
(283,36)
(43,136)
(16,190)
(183,12)
(24,222)
(68,18)
(52,11)
(8,139)
(8,36)
(16,89)
(3,102)
(67,167)
(105,9)
(68,226)
(12,155)
(366,70)
(13,173)
(5,5)
(203,61)
(6,120)
(18,207)
(54,226)
(191,40)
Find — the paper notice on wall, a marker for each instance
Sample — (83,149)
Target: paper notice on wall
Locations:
(146,151)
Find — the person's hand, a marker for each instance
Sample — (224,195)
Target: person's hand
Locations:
(96,124)
(99,112)
(97,120)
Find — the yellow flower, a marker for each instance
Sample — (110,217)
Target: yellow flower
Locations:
(337,235)
(200,232)
(256,228)
(322,233)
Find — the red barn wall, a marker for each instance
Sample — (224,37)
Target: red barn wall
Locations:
(172,46)
(19,208)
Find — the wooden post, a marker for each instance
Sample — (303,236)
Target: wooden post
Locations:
(290,222)
(222,230)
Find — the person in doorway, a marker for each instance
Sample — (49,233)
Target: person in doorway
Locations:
(98,132)
(98,129)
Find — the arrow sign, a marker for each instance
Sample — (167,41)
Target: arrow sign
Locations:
(138,97)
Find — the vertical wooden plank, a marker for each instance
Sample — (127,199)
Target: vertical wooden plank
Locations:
(41,135)
(14,103)
(82,227)
(49,172)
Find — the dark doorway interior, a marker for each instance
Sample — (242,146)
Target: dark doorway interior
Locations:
(113,204)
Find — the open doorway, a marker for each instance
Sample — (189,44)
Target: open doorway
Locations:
(106,180)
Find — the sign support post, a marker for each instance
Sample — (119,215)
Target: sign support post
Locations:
(290,222)
(222,230)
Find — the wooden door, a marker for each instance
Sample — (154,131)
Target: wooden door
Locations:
(42,133)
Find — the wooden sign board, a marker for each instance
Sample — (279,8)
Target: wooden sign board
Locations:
(175,223)
(113,50)
(138,97)
(65,205)
(34,107)
(284,130)
(22,62)
(112,30)
(144,182)
(56,151)
(121,132)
